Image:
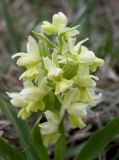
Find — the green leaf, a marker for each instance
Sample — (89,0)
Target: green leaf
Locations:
(99,140)
(73,151)
(39,36)
(69,30)
(37,142)
(8,152)
(10,26)
(60,146)
(21,126)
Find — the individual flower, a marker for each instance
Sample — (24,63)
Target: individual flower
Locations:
(35,106)
(32,56)
(31,73)
(86,81)
(30,99)
(32,106)
(49,129)
(86,56)
(77,112)
(96,63)
(55,74)
(17,100)
(31,60)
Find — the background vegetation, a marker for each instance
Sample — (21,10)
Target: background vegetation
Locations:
(99,20)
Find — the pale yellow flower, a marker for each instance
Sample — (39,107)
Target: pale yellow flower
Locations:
(59,21)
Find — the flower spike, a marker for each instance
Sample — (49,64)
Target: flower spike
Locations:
(58,78)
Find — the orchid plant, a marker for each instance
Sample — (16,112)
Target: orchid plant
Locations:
(58,80)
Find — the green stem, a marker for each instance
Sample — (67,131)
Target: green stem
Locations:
(60,146)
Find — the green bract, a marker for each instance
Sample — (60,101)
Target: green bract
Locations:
(59,69)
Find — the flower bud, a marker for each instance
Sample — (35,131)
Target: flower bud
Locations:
(48,28)
(59,19)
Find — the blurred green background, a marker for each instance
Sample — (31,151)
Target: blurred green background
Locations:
(98,19)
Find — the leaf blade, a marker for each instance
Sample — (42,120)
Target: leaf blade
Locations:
(21,126)
(99,140)
(60,145)
(7,151)
(37,142)
(39,36)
